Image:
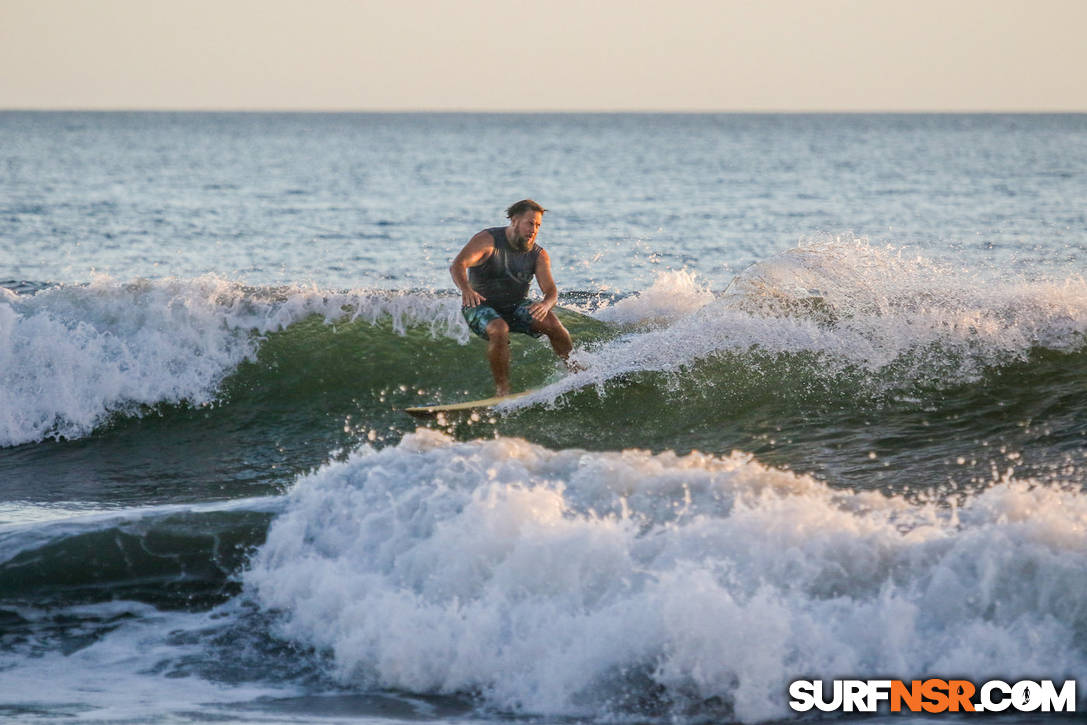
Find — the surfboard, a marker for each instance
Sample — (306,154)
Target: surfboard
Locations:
(429,411)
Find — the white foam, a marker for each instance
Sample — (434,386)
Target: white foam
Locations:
(859,308)
(557,582)
(907,302)
(129,674)
(21,513)
(72,355)
(672,295)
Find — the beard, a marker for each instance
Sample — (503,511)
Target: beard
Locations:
(521,244)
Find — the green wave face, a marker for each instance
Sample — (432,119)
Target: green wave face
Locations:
(316,390)
(839,359)
(844,428)
(311,392)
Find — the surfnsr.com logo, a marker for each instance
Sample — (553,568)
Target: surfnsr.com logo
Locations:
(933,696)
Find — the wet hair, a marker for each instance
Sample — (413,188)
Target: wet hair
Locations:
(520,207)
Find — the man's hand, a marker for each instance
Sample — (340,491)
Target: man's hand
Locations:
(471,298)
(539,310)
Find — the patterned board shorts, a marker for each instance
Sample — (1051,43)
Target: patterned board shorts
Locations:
(519,319)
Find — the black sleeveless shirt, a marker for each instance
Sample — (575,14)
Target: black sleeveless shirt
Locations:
(505,277)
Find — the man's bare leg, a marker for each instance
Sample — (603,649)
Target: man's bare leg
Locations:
(559,337)
(498,354)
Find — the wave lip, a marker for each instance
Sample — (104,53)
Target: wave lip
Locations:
(71,356)
(581,583)
(841,307)
(885,304)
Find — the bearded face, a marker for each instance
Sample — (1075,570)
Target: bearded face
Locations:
(525,228)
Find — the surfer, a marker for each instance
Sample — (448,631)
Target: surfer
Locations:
(493,273)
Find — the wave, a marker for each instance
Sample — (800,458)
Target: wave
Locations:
(174,557)
(123,661)
(578,583)
(72,356)
(856,310)
(838,358)
(832,325)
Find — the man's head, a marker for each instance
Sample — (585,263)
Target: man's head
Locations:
(525,218)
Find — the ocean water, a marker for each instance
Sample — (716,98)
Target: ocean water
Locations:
(829,423)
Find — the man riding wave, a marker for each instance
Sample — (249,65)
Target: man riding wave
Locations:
(494,272)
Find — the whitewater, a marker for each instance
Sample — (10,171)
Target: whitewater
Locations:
(828,418)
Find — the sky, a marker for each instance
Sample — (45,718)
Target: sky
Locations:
(547,55)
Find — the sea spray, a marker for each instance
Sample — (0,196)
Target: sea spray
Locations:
(75,355)
(839,308)
(70,356)
(672,296)
(574,583)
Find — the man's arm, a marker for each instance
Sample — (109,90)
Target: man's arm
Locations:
(475,252)
(539,310)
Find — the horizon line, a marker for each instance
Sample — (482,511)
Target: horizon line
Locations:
(545,111)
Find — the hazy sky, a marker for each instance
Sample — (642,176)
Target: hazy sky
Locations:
(1018,55)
